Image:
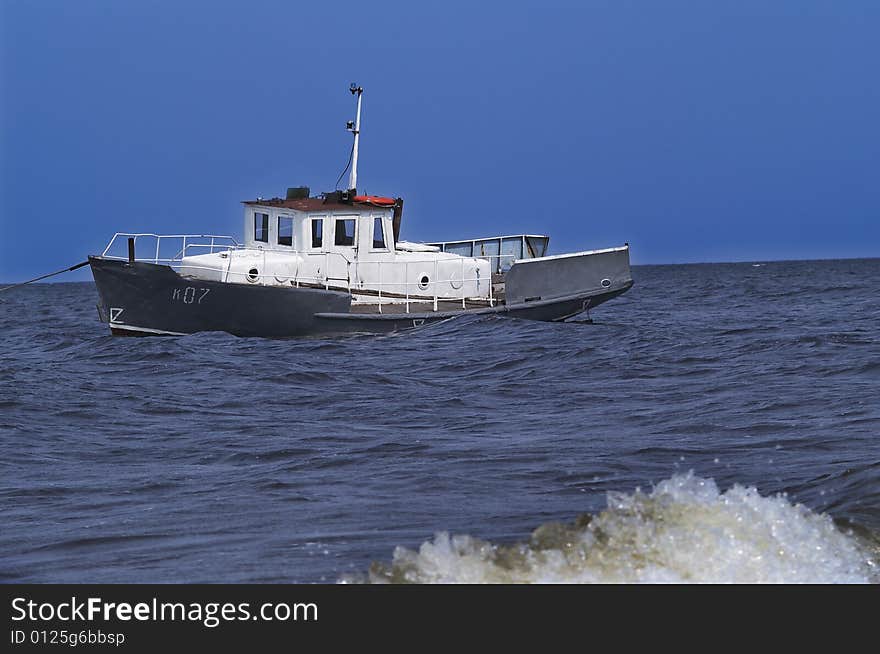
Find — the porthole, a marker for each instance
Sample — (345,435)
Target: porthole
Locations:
(253,275)
(424,280)
(606,283)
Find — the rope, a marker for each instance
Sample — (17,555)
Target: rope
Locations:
(36,279)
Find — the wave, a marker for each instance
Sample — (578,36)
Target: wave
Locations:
(684,531)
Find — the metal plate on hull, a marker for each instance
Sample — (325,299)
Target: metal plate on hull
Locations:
(567,274)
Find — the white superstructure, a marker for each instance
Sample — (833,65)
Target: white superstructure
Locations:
(313,241)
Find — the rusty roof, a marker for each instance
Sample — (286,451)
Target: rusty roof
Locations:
(312,204)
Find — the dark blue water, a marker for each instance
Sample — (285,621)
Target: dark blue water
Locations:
(210,458)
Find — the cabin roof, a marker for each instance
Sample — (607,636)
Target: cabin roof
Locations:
(313,204)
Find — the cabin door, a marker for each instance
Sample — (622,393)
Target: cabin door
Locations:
(343,252)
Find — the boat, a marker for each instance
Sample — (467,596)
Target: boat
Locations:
(334,264)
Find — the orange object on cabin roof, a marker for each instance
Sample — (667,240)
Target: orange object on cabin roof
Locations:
(375,199)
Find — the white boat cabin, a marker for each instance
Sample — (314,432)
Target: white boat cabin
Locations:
(349,246)
(349,242)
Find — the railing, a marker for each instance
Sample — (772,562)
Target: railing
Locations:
(227,242)
(435,298)
(520,246)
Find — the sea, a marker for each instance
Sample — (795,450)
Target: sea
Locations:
(717,423)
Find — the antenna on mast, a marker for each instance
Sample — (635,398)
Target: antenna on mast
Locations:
(355,128)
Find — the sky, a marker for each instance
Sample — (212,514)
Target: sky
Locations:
(695,131)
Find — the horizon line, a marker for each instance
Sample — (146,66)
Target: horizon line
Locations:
(634,265)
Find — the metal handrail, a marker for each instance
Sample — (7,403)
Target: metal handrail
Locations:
(299,279)
(379,285)
(232,243)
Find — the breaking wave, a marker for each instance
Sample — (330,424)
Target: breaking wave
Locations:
(684,531)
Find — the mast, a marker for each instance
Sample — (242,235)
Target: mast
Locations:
(355,128)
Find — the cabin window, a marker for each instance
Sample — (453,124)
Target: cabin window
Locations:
(378,234)
(261,227)
(317,232)
(344,231)
(285,230)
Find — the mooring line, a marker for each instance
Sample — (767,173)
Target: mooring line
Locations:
(36,279)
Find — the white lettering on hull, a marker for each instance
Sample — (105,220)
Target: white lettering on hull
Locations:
(189,295)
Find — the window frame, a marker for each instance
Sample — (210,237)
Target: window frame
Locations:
(384,246)
(312,221)
(344,219)
(278,237)
(265,225)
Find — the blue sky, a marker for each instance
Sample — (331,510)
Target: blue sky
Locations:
(696,131)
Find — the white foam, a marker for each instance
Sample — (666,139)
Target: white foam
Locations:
(684,531)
